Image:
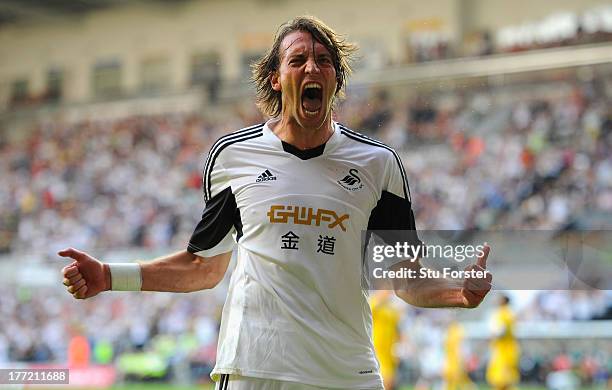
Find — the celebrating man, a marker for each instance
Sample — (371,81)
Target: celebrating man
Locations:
(292,197)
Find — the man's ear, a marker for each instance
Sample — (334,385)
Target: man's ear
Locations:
(275,81)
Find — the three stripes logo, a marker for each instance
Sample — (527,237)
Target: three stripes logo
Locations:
(265,176)
(352,181)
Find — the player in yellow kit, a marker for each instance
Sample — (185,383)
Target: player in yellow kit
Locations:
(385,318)
(503,369)
(455,376)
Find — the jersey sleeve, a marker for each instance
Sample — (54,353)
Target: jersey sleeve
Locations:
(393,218)
(213,235)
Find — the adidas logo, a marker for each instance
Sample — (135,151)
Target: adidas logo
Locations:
(265,176)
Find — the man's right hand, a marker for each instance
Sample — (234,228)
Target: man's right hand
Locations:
(86,276)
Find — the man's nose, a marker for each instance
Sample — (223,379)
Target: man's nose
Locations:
(312,66)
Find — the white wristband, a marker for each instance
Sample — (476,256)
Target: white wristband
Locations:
(125,276)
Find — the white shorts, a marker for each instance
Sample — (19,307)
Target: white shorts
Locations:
(235,382)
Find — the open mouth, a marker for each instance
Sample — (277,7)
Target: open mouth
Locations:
(312,98)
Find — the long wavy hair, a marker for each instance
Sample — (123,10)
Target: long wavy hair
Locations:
(268,100)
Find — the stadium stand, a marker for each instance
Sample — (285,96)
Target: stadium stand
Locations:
(478,162)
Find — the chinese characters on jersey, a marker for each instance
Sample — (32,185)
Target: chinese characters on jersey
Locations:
(325,244)
(290,240)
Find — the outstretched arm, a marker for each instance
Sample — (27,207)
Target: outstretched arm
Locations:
(442,292)
(184,272)
(86,276)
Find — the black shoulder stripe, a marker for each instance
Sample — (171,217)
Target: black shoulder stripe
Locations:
(367,140)
(216,149)
(243,130)
(219,143)
(212,156)
(235,134)
(397,158)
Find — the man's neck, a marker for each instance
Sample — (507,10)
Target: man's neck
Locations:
(302,138)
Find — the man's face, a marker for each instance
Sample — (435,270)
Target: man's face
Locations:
(307,80)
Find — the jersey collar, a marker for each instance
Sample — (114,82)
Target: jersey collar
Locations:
(321,150)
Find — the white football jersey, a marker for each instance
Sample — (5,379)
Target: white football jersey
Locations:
(296,309)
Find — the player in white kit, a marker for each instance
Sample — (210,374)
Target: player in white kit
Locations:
(292,197)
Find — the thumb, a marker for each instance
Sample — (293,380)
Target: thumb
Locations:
(72,253)
(482,260)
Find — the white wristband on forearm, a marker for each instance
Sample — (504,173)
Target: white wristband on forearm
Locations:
(125,276)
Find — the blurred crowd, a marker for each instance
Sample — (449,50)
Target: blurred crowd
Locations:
(560,29)
(44,325)
(134,182)
(179,333)
(496,158)
(434,47)
(423,356)
(560,305)
(484,159)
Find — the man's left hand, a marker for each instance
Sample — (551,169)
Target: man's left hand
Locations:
(475,289)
